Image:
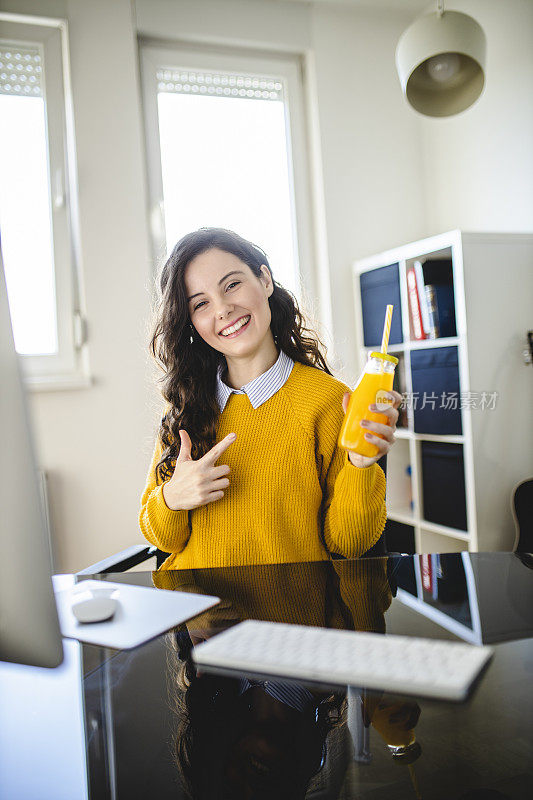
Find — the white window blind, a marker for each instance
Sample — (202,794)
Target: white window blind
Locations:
(20,71)
(218,84)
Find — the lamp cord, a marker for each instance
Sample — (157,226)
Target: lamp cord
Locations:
(440,8)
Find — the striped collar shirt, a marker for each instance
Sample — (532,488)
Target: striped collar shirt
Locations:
(261,388)
(293,695)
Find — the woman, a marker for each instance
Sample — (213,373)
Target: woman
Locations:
(245,380)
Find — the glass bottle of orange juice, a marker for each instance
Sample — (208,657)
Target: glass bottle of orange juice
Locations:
(371,387)
(387,719)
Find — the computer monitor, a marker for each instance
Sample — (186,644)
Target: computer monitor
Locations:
(29,625)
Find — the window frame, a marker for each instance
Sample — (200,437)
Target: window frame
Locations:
(287,67)
(68,367)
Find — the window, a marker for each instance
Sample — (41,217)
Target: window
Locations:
(34,200)
(226,148)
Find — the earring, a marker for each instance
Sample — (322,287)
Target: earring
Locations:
(191,337)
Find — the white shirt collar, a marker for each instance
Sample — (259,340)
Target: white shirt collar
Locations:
(261,388)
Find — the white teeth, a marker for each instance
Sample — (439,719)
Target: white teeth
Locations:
(239,324)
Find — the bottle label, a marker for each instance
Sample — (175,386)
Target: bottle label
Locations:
(382,399)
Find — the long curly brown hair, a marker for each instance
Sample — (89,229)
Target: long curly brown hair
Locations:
(190,364)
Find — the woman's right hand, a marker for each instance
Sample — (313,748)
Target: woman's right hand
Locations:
(196,483)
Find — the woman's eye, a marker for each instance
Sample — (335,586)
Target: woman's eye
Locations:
(229,286)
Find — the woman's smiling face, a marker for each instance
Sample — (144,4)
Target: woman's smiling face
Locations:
(228,304)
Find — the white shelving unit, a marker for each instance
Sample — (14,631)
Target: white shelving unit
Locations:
(493,294)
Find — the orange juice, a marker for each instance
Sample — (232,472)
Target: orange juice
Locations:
(393,733)
(390,717)
(376,379)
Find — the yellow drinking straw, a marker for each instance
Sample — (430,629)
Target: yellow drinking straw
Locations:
(414,781)
(386,330)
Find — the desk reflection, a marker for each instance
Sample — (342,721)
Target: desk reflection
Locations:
(244,738)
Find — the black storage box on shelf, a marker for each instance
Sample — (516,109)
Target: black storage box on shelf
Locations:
(399,385)
(436,391)
(399,538)
(380,288)
(438,272)
(443,484)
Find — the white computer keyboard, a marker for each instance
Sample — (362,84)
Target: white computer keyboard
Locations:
(402,664)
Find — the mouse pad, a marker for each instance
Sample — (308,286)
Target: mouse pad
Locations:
(142,613)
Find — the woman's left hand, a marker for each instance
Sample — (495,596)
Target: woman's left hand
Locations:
(383,445)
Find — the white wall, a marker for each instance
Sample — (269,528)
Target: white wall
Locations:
(370,145)
(478,165)
(378,191)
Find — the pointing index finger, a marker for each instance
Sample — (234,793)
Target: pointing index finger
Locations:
(212,455)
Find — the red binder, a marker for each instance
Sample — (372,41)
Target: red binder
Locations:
(426,573)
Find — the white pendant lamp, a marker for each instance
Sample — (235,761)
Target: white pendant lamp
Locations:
(440,60)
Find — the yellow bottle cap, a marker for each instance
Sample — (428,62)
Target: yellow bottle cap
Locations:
(384,357)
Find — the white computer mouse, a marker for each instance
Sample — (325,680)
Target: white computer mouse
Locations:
(94,606)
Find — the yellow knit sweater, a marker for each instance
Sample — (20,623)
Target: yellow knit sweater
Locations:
(293,494)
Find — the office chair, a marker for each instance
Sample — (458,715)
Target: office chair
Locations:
(522,508)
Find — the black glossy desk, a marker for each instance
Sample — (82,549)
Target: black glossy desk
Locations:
(154,728)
